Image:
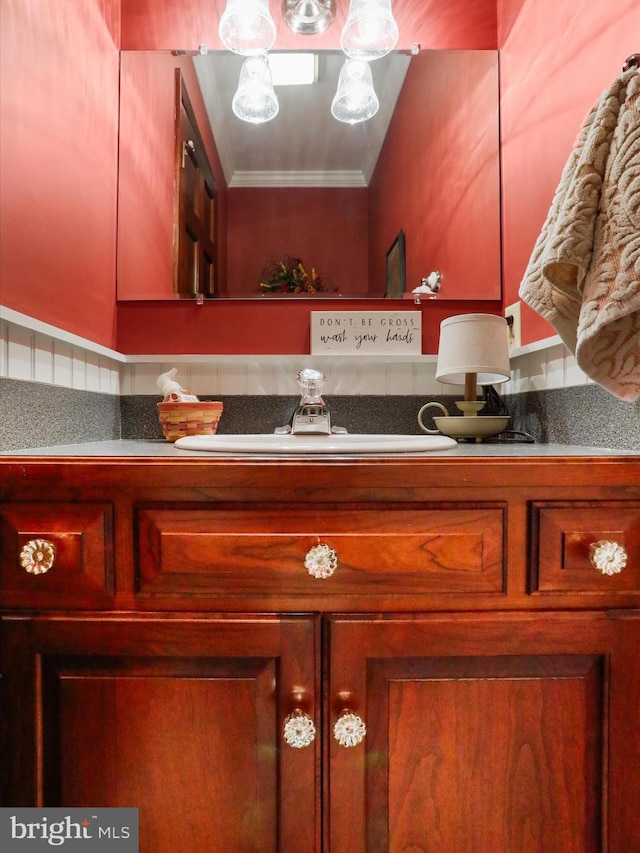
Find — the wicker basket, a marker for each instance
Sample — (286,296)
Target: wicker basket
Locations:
(180,419)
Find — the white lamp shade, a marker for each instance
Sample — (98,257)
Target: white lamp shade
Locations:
(473,343)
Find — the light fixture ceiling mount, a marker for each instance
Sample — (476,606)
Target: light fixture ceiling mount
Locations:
(308,16)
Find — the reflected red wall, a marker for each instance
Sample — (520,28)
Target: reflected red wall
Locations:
(260,326)
(186,24)
(307,223)
(556,59)
(58,163)
(147,171)
(451,224)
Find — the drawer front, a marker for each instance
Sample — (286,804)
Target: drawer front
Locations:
(262,550)
(56,555)
(588,546)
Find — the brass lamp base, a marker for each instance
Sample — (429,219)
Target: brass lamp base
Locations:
(471,426)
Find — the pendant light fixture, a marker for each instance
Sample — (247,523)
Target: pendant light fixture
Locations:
(370,30)
(246,26)
(355,99)
(255,100)
(308,16)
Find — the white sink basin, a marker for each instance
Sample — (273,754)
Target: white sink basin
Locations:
(297,445)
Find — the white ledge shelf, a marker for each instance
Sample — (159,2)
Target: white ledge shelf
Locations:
(35,351)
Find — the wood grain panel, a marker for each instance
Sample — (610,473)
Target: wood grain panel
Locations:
(517,739)
(180,718)
(83,572)
(484,733)
(562,532)
(183,742)
(380,549)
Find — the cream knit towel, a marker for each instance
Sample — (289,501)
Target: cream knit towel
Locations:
(584,273)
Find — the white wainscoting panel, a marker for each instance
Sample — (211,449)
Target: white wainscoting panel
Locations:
(32,351)
(276,375)
(542,366)
(55,358)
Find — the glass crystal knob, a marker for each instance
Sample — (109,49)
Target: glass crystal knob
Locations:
(37,556)
(298,729)
(349,729)
(321,561)
(607,557)
(311,381)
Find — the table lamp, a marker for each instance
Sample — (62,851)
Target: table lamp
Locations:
(473,350)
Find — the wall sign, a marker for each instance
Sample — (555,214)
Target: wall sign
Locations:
(366,332)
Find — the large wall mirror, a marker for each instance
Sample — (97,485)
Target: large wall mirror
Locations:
(306,186)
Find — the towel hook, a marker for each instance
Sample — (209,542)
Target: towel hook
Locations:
(630,61)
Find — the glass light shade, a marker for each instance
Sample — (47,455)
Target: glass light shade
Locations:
(246,26)
(308,16)
(473,343)
(255,101)
(370,30)
(355,99)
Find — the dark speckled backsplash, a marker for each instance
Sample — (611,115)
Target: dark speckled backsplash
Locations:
(33,414)
(37,415)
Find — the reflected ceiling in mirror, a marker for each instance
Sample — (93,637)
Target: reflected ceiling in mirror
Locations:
(303,145)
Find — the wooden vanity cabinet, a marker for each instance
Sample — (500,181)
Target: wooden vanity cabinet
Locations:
(181,717)
(496,671)
(488,732)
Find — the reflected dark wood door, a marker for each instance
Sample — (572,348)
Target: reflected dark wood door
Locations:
(195,208)
(180,718)
(486,734)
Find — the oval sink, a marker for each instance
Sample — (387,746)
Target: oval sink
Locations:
(296,445)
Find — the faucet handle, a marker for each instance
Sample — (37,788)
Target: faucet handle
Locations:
(311,382)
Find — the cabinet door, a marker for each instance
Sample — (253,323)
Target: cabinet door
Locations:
(181,718)
(487,733)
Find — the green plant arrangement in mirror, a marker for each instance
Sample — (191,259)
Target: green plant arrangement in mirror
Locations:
(289,275)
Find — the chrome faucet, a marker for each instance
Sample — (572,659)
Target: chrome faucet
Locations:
(311,417)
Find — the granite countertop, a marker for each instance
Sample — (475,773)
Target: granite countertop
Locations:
(160,448)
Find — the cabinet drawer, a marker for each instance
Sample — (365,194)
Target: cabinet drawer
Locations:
(571,539)
(258,550)
(56,555)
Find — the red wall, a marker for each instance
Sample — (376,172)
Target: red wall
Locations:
(556,59)
(315,220)
(58,166)
(452,223)
(59,160)
(260,326)
(59,163)
(147,169)
(186,24)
